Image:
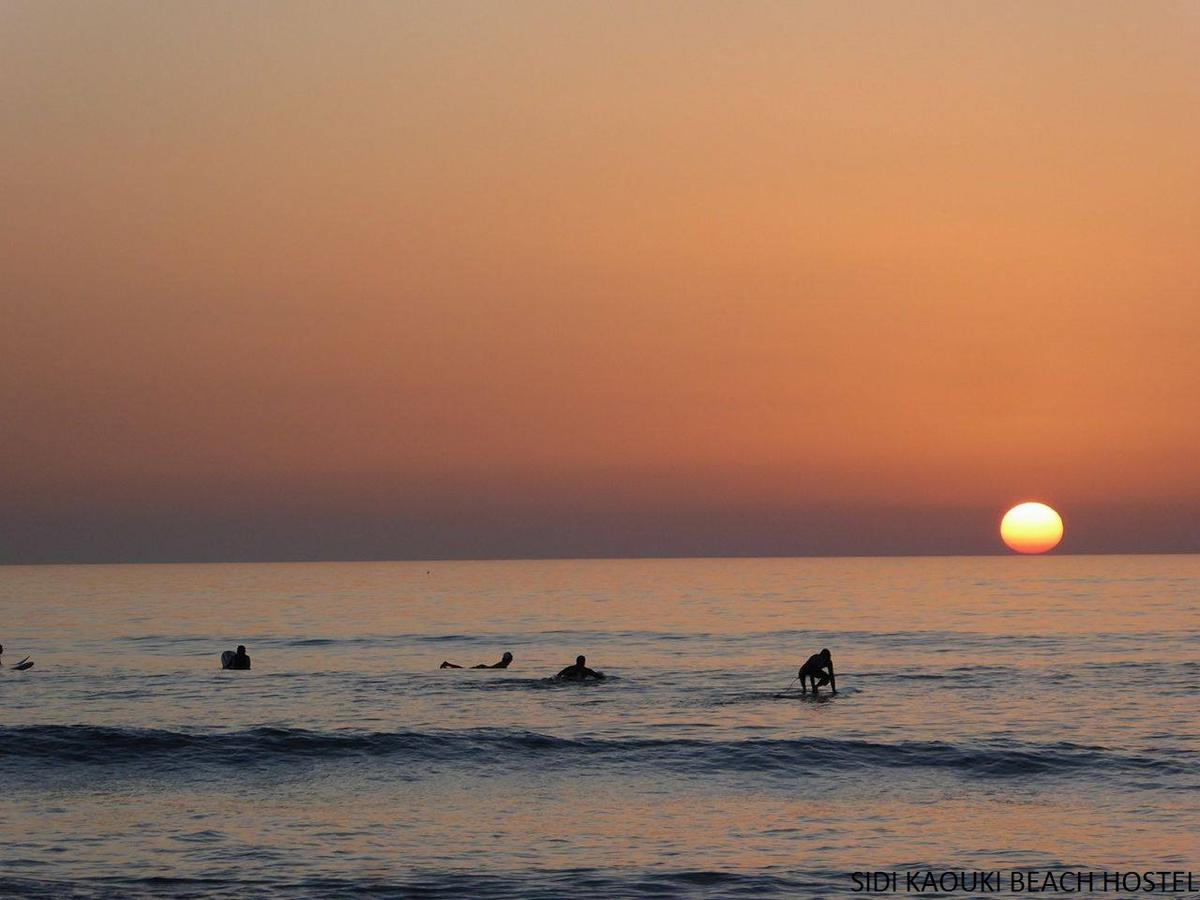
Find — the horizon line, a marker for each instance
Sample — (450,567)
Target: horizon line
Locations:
(647,558)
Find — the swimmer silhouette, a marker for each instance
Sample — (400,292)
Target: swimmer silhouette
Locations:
(503,664)
(579,671)
(819,670)
(237,660)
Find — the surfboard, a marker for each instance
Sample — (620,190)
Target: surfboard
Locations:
(559,680)
(227,659)
(24,664)
(807,698)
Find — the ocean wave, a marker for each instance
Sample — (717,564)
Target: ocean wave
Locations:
(435,885)
(134,747)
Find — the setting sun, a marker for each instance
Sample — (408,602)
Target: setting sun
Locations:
(1031,528)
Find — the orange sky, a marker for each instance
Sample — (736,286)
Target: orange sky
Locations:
(612,269)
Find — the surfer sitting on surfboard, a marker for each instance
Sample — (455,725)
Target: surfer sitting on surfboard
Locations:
(579,672)
(237,660)
(819,670)
(503,664)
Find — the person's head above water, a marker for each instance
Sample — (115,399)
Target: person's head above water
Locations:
(580,660)
(507,657)
(825,652)
(241,649)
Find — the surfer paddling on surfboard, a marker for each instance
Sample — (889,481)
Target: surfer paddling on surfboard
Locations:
(24,664)
(819,670)
(578,672)
(503,664)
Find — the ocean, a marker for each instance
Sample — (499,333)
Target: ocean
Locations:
(993,713)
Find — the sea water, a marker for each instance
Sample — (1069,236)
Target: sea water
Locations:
(992,714)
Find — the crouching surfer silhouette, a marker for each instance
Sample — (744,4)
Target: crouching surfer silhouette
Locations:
(238,660)
(503,664)
(819,670)
(579,672)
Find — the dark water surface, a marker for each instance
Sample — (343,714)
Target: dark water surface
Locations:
(994,713)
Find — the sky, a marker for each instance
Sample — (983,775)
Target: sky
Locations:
(415,280)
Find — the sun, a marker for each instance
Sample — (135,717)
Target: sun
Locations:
(1031,528)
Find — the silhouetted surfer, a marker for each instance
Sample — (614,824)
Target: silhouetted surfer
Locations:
(579,671)
(503,664)
(238,660)
(24,664)
(819,670)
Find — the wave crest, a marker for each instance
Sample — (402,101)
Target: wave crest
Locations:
(113,746)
